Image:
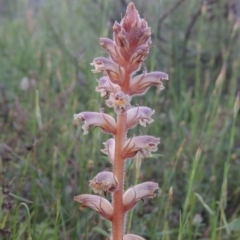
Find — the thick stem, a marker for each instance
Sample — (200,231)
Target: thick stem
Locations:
(118,170)
(126,83)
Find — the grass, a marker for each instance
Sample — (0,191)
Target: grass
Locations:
(46,160)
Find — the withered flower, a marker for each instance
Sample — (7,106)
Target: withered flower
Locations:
(104,182)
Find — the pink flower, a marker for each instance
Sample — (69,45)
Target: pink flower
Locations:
(102,120)
(104,182)
(105,86)
(119,101)
(109,149)
(114,71)
(140,83)
(138,192)
(112,49)
(139,55)
(139,115)
(128,49)
(97,203)
(142,144)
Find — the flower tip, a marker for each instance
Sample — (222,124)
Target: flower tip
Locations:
(77,198)
(131,6)
(75,116)
(166,77)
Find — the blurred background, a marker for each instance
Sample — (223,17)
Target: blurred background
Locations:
(45,77)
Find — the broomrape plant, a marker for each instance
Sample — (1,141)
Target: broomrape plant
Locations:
(128,49)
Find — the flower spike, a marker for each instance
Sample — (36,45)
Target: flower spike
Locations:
(127,51)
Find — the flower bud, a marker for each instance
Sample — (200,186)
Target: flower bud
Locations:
(97,203)
(130,36)
(138,192)
(102,120)
(104,182)
(112,49)
(138,57)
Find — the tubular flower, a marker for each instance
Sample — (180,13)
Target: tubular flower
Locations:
(142,144)
(138,192)
(109,149)
(104,182)
(119,101)
(105,86)
(139,115)
(97,203)
(102,120)
(113,70)
(140,83)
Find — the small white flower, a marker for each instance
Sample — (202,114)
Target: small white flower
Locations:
(119,101)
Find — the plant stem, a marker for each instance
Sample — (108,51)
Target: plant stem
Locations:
(118,169)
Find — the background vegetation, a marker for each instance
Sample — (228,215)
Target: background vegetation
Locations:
(46,160)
